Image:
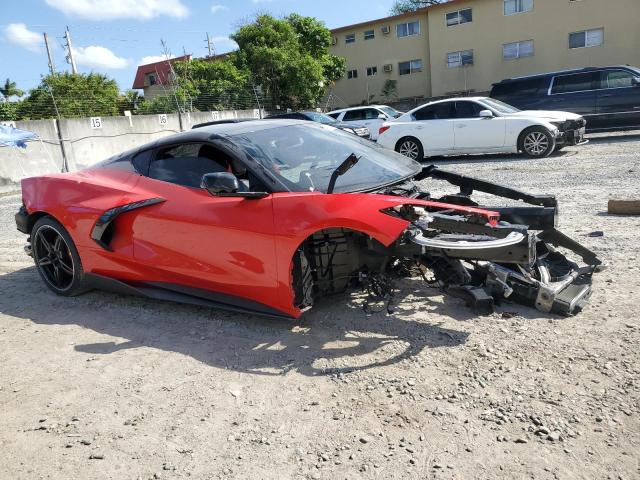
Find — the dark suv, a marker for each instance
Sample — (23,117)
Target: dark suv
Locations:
(608,97)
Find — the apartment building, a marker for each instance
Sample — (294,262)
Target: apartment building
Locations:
(466,45)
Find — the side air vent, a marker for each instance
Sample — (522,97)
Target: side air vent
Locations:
(103,231)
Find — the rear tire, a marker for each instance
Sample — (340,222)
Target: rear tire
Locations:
(410,147)
(537,142)
(56,258)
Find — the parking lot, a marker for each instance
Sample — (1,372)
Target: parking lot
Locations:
(107,386)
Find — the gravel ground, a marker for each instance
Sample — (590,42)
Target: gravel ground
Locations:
(107,386)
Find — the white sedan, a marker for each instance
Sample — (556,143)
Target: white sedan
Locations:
(474,125)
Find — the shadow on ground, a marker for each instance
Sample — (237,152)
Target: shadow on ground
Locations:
(336,336)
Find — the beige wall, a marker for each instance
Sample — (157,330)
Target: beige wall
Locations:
(548,25)
(383,49)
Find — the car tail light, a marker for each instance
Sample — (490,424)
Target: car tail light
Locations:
(383,129)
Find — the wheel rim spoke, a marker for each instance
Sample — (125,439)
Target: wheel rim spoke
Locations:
(53,258)
(65,268)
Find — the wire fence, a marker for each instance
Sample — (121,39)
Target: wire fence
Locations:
(156,101)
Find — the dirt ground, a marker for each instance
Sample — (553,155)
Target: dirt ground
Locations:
(107,386)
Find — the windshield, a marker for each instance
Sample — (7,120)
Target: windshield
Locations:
(303,157)
(499,106)
(392,112)
(320,117)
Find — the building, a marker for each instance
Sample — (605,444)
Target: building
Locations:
(155,78)
(466,45)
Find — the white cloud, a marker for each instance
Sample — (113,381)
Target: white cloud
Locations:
(95,56)
(19,34)
(152,59)
(218,8)
(114,9)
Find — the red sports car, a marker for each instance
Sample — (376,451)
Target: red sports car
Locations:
(267,217)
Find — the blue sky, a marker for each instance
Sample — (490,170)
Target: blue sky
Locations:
(114,36)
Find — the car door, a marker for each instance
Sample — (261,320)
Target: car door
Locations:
(575,93)
(618,100)
(433,126)
(475,134)
(220,244)
(367,117)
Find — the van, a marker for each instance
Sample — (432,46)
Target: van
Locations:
(607,97)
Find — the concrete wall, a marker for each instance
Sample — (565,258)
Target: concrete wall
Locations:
(40,157)
(88,141)
(382,50)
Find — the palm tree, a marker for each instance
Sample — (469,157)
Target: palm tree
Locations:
(10,89)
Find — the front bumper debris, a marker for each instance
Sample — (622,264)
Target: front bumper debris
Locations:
(518,260)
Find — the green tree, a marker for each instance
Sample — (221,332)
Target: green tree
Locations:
(10,89)
(289,58)
(9,110)
(389,90)
(71,95)
(129,101)
(405,6)
(165,104)
(213,85)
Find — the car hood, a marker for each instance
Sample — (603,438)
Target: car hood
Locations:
(546,114)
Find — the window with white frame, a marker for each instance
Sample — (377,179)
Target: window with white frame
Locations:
(460,59)
(371,71)
(459,17)
(350,38)
(587,38)
(408,29)
(369,34)
(352,74)
(514,50)
(511,7)
(412,66)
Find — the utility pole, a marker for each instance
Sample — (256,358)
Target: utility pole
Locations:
(52,67)
(210,46)
(70,59)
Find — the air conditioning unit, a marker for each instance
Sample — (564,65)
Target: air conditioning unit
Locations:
(334,40)
(385,29)
(388,68)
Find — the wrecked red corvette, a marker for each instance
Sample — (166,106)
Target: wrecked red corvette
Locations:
(267,217)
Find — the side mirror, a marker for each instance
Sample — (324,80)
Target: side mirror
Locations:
(485,114)
(635,81)
(382,116)
(220,183)
(225,184)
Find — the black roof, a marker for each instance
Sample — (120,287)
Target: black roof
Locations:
(205,133)
(558,72)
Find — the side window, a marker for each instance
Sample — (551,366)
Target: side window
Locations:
(353,115)
(141,162)
(439,111)
(574,83)
(334,115)
(519,87)
(371,114)
(186,164)
(467,110)
(617,79)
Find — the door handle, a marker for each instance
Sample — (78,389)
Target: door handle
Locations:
(606,95)
(461,126)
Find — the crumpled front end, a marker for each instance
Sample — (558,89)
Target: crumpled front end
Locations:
(522,258)
(485,264)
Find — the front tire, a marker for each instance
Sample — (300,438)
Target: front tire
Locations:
(410,147)
(537,142)
(56,258)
